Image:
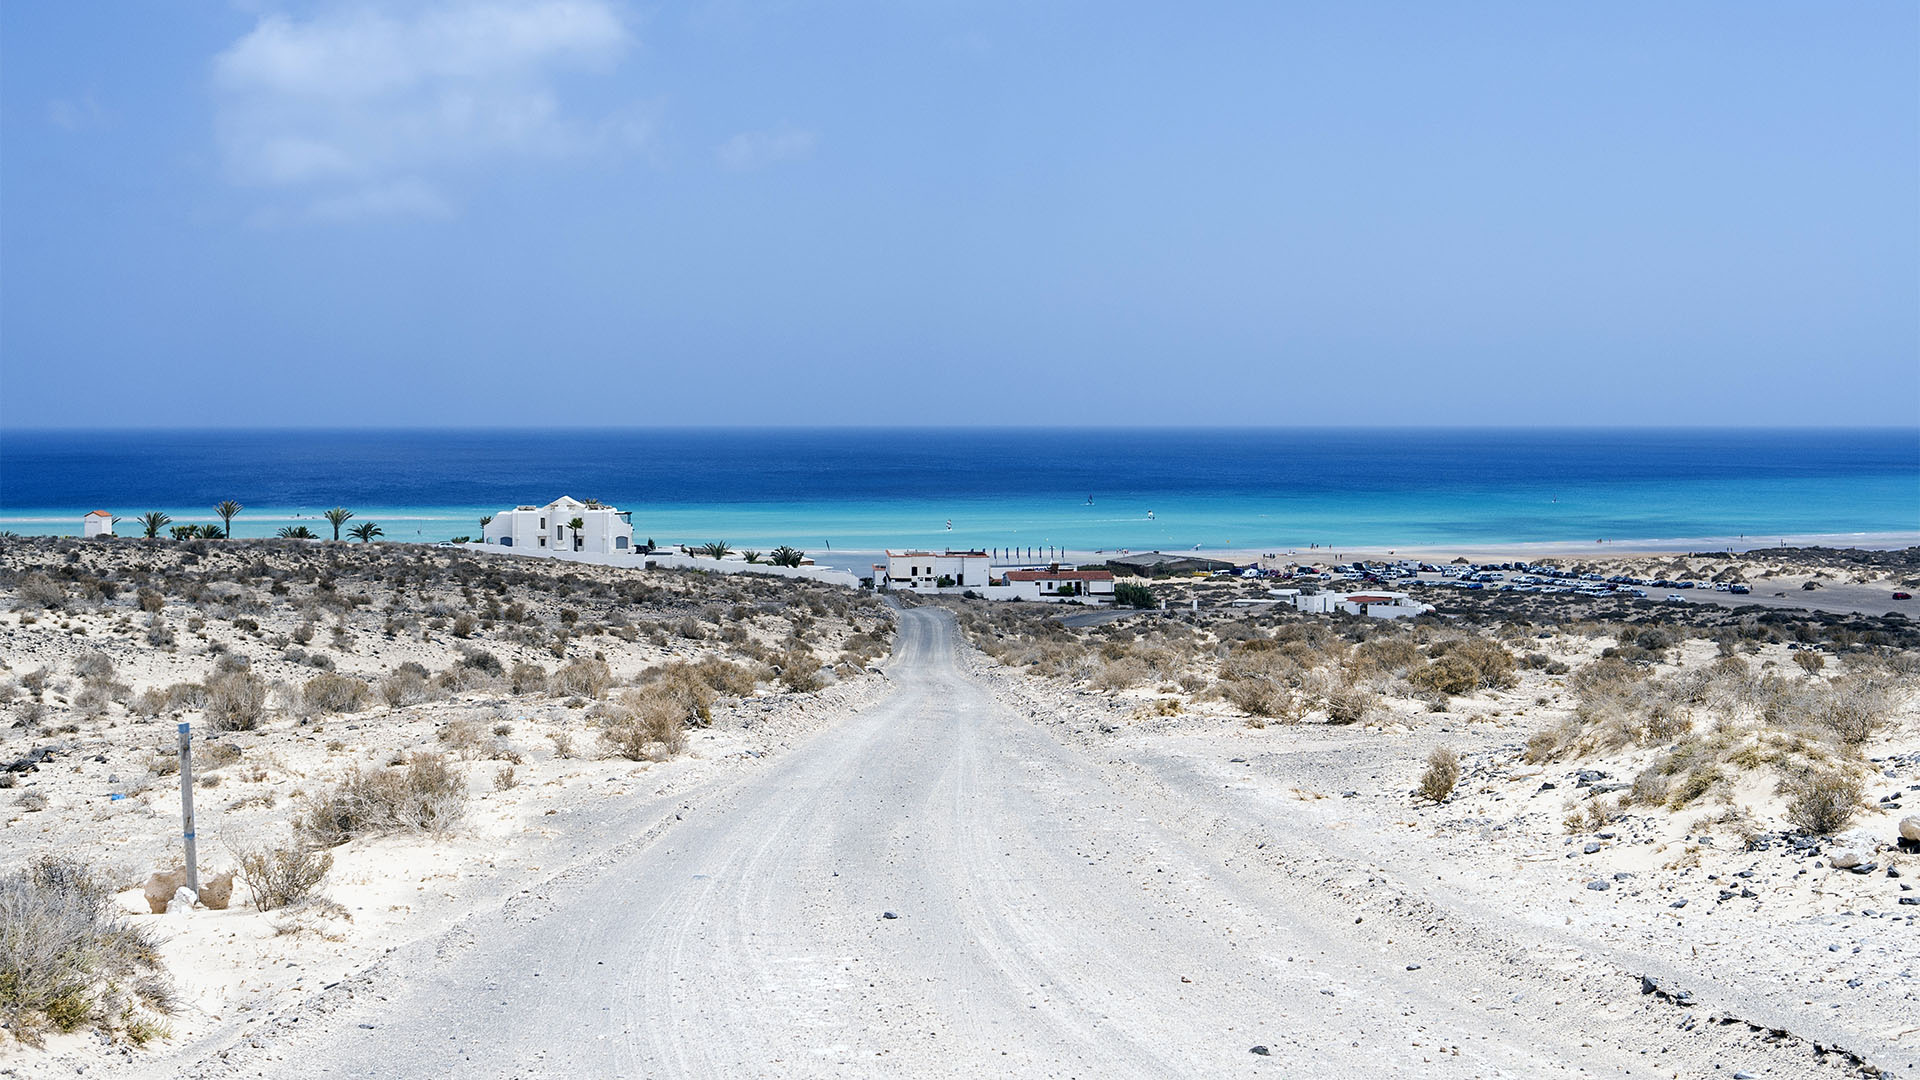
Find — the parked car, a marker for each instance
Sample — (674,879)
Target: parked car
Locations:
(1903,596)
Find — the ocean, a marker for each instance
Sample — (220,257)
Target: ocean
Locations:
(861,490)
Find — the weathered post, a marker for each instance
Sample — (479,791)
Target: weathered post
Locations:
(186,806)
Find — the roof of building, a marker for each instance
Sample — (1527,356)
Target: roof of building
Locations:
(892,554)
(98,513)
(1059,575)
(1375,598)
(1153,559)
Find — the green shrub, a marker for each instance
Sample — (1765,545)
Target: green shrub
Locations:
(1129,594)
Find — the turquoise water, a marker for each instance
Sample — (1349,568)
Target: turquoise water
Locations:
(868,489)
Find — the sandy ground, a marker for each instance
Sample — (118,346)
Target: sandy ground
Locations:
(1080,883)
(981,873)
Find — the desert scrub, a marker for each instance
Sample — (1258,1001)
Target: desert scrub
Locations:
(1443,773)
(1463,665)
(646,729)
(330,692)
(1822,801)
(282,875)
(233,700)
(68,958)
(423,795)
(585,677)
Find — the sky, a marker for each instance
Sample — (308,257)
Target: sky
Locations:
(567,213)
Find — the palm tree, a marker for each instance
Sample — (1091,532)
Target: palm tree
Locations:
(576,525)
(716,550)
(338,516)
(485,521)
(154,521)
(185,532)
(227,510)
(365,531)
(750,555)
(786,556)
(297,532)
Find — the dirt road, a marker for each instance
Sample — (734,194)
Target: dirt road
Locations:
(936,886)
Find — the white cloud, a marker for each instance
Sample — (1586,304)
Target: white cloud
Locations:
(756,149)
(350,109)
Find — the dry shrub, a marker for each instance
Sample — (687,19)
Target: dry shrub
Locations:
(424,795)
(1443,772)
(330,692)
(1349,705)
(234,700)
(1383,656)
(1261,679)
(282,876)
(409,684)
(93,666)
(1823,801)
(585,677)
(68,958)
(1854,709)
(1463,665)
(465,736)
(800,671)
(528,678)
(647,729)
(1121,674)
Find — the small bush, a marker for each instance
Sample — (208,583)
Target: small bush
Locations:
(655,730)
(282,876)
(1823,801)
(528,678)
(407,685)
(67,956)
(424,795)
(1443,772)
(235,701)
(330,692)
(1348,705)
(94,666)
(585,677)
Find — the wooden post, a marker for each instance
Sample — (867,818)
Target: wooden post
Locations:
(186,807)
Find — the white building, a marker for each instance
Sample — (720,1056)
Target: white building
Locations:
(603,530)
(1373,604)
(97,523)
(926,571)
(1058,586)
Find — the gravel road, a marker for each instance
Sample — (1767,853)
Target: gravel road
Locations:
(938,886)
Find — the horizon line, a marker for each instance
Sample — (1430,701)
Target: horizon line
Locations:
(6,430)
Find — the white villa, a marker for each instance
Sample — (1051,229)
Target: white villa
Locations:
(1374,605)
(97,523)
(603,530)
(924,570)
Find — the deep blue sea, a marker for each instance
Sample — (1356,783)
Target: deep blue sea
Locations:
(1084,490)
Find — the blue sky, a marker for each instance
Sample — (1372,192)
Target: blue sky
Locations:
(590,212)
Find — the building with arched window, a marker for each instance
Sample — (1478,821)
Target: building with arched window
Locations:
(603,530)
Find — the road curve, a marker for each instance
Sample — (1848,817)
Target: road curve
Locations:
(936,887)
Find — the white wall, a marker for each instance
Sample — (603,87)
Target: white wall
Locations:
(634,560)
